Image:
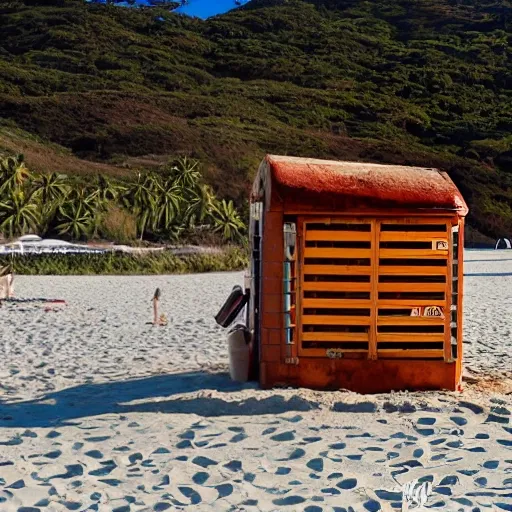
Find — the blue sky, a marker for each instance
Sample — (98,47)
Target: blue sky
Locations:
(199,8)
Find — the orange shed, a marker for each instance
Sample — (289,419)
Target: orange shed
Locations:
(356,276)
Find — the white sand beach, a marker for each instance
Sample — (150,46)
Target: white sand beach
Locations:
(100,410)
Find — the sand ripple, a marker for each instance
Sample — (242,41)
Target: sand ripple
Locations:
(100,411)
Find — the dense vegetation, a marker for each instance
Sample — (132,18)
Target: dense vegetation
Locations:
(425,82)
(164,262)
(168,203)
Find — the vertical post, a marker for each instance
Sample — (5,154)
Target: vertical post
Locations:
(374,294)
(460,312)
(451,297)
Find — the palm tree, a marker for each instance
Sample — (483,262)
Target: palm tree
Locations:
(107,190)
(49,191)
(226,221)
(142,198)
(79,215)
(198,206)
(168,206)
(185,173)
(76,221)
(51,187)
(19,214)
(13,173)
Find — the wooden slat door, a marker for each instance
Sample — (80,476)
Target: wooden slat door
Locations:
(414,285)
(374,287)
(336,287)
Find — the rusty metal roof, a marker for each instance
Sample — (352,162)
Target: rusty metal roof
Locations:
(391,185)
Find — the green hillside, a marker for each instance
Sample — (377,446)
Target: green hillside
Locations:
(109,89)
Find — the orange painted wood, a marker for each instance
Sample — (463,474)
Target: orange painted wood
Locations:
(410,320)
(315,217)
(448,296)
(271,353)
(362,375)
(336,303)
(417,337)
(272,285)
(335,320)
(337,269)
(329,286)
(410,354)
(414,217)
(374,295)
(272,270)
(412,236)
(275,336)
(321,352)
(409,303)
(335,236)
(412,253)
(412,270)
(363,213)
(320,252)
(272,320)
(394,368)
(460,289)
(334,336)
(411,287)
(272,303)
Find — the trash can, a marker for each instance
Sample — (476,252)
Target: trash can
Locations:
(239,353)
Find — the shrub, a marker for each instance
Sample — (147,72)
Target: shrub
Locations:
(118,225)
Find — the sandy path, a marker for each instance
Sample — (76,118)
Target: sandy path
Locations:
(99,411)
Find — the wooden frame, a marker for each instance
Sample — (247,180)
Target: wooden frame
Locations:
(375,236)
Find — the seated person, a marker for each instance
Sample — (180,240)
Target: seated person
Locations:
(6,282)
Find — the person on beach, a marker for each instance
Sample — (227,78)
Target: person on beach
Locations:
(6,280)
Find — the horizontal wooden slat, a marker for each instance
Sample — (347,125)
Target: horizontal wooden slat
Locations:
(320,252)
(412,303)
(321,352)
(401,304)
(335,320)
(412,236)
(338,236)
(324,286)
(410,320)
(426,219)
(412,270)
(338,270)
(335,336)
(337,303)
(329,220)
(408,354)
(389,337)
(412,253)
(411,287)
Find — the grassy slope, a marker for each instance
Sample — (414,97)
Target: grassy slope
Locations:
(426,82)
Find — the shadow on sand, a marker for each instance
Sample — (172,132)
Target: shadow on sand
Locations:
(62,407)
